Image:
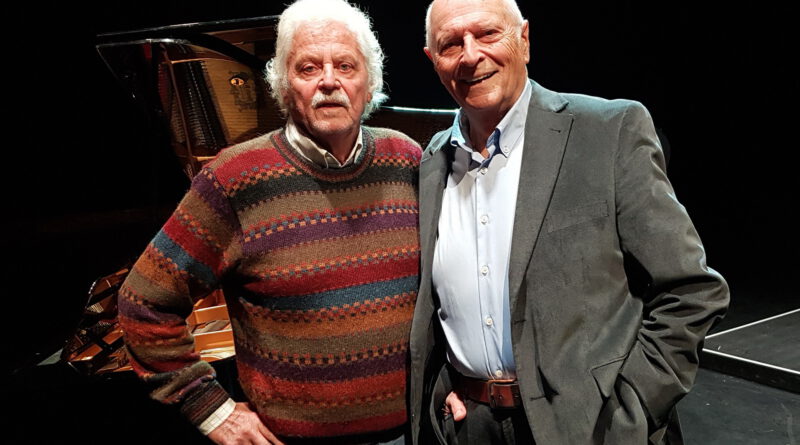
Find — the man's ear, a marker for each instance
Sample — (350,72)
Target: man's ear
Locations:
(526,41)
(428,53)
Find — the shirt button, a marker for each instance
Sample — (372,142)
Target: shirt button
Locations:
(489,321)
(484,219)
(498,373)
(483,170)
(484,270)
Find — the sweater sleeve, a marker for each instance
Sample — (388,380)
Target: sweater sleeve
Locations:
(183,263)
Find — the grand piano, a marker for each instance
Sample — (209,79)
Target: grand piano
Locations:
(201,88)
(203,85)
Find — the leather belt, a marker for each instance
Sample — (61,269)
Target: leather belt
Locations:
(495,393)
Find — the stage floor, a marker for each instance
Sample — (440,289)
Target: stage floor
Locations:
(725,410)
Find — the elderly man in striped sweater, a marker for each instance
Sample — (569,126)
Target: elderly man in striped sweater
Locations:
(311,231)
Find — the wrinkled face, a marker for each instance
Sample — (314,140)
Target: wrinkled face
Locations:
(328,81)
(480,53)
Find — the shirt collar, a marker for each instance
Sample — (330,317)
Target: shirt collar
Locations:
(507,133)
(311,151)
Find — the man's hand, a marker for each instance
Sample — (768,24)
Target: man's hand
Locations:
(243,427)
(454,404)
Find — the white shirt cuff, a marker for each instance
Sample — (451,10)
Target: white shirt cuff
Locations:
(217,417)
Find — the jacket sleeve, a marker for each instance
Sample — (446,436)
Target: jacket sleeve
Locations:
(683,297)
(183,263)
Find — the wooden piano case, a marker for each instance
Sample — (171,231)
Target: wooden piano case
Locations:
(97,346)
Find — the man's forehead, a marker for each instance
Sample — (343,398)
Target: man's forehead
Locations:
(471,23)
(317,35)
(469,12)
(322,29)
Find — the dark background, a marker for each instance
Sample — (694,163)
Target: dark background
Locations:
(85,189)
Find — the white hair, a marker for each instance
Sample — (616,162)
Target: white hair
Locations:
(510,7)
(304,11)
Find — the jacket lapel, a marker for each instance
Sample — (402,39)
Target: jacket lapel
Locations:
(433,177)
(546,134)
(432,180)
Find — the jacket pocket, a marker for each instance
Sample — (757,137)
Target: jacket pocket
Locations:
(438,421)
(605,375)
(561,219)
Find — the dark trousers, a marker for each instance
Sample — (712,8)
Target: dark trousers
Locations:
(484,426)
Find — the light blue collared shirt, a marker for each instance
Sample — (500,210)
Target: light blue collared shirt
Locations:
(471,258)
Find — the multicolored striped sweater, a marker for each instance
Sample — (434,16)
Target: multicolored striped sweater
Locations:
(319,268)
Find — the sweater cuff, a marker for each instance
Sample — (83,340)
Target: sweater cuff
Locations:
(201,403)
(217,417)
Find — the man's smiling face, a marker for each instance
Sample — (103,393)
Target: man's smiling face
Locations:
(480,53)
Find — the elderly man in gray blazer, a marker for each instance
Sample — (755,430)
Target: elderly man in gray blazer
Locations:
(564,291)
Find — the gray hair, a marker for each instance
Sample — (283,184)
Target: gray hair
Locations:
(304,11)
(511,8)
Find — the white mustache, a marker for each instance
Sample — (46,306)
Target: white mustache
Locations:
(334,97)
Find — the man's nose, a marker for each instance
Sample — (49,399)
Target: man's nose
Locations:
(328,81)
(472,54)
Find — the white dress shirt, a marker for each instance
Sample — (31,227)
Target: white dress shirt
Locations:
(473,248)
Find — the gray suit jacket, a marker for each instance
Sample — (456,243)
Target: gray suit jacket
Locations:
(610,293)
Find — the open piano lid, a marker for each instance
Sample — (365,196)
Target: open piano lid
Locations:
(203,82)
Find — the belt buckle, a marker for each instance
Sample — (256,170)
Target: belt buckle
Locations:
(494,396)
